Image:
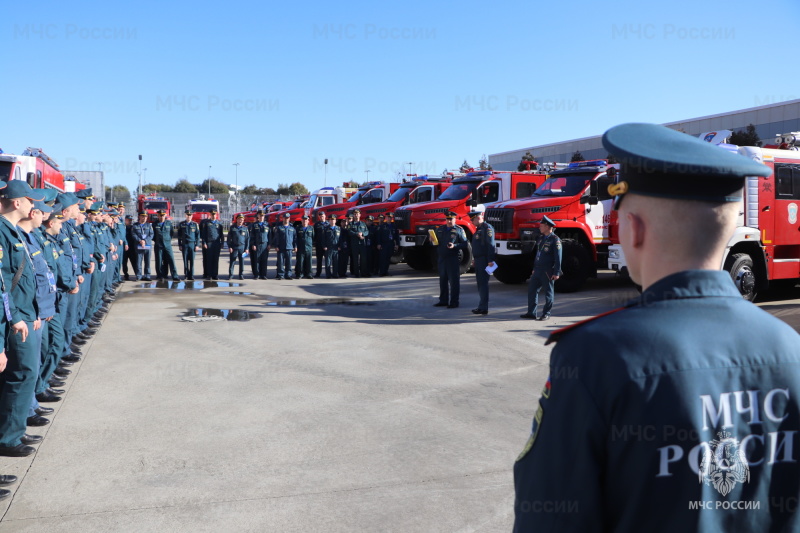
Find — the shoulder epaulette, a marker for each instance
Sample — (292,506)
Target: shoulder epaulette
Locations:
(557,334)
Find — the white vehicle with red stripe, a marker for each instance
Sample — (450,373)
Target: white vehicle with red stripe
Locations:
(765,248)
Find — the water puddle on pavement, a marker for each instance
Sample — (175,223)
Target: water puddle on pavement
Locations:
(186,285)
(300,302)
(238,293)
(205,314)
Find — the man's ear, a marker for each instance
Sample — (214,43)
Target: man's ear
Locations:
(638,229)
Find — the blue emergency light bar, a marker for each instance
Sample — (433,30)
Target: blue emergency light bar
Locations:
(480,173)
(592,163)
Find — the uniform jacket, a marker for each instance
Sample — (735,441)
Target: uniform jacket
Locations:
(305,238)
(188,234)
(456,235)
(238,237)
(332,235)
(211,232)
(162,234)
(648,412)
(354,229)
(548,255)
(259,234)
(143,232)
(483,242)
(284,238)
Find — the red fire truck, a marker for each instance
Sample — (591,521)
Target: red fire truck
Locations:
(371,193)
(38,169)
(482,187)
(418,189)
(201,208)
(152,204)
(275,218)
(576,199)
(764,251)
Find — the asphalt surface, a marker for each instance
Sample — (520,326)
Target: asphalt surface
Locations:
(308,405)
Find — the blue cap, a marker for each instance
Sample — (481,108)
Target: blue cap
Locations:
(49,194)
(547,220)
(66,199)
(19,189)
(84,194)
(96,207)
(41,206)
(659,161)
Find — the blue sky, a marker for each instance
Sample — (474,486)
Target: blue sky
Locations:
(279,87)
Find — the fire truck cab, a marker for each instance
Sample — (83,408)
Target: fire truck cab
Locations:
(481,187)
(201,208)
(371,193)
(38,169)
(764,251)
(152,204)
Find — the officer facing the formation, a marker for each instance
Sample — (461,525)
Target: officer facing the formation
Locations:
(358,233)
(188,241)
(483,252)
(143,234)
(162,243)
(319,241)
(284,239)
(450,240)
(259,246)
(238,243)
(670,413)
(211,237)
(546,270)
(305,247)
(331,242)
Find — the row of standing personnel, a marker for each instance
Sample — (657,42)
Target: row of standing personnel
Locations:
(365,247)
(60,264)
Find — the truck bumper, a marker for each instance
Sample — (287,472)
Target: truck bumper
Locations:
(508,247)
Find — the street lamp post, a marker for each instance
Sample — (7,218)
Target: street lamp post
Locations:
(209,181)
(367,173)
(237,186)
(409,167)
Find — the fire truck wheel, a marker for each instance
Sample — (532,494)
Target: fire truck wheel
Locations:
(465,259)
(576,263)
(514,269)
(417,258)
(740,267)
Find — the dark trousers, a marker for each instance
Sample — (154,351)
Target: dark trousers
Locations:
(52,347)
(385,259)
(449,279)
(129,256)
(482,278)
(237,254)
(284,264)
(17,384)
(188,260)
(303,263)
(258,260)
(344,258)
(360,266)
(332,263)
(165,262)
(321,259)
(211,260)
(540,280)
(143,257)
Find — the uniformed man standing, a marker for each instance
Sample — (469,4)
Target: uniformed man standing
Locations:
(319,241)
(358,233)
(344,247)
(284,240)
(331,241)
(143,233)
(211,237)
(188,240)
(18,380)
(305,247)
(546,270)
(162,243)
(130,255)
(238,244)
(259,246)
(679,411)
(483,249)
(451,239)
(385,245)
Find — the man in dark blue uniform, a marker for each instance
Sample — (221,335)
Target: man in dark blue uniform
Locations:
(331,241)
(143,233)
(358,232)
(385,245)
(238,244)
(305,247)
(344,247)
(319,242)
(259,246)
(211,237)
(162,243)
(284,240)
(483,249)
(680,410)
(188,240)
(450,238)
(546,270)
(130,255)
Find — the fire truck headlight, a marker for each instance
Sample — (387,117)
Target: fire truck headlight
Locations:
(613,254)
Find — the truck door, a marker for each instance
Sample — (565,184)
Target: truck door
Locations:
(598,216)
(488,192)
(786,234)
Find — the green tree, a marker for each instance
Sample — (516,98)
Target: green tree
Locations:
(350,184)
(118,193)
(465,167)
(217,187)
(251,189)
(297,188)
(268,191)
(483,164)
(282,189)
(745,138)
(577,156)
(156,187)
(184,185)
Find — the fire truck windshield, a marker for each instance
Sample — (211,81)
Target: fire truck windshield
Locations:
(459,191)
(564,185)
(156,205)
(5,170)
(204,208)
(400,194)
(320,201)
